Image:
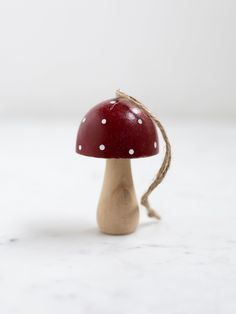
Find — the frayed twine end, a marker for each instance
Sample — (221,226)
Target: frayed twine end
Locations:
(153,214)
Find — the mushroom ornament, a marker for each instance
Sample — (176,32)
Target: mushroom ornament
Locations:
(120,129)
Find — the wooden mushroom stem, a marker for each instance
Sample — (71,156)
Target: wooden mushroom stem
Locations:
(118,211)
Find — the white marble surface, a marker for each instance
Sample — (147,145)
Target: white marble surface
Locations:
(53,259)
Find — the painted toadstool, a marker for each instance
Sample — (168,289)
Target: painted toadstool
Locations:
(118,130)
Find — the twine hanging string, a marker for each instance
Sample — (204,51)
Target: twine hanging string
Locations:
(166,161)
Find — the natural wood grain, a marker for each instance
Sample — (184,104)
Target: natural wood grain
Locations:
(118,211)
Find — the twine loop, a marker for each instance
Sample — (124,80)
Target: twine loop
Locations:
(166,161)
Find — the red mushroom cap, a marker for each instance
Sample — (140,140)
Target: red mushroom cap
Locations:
(116,128)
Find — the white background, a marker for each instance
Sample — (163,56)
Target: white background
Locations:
(59,58)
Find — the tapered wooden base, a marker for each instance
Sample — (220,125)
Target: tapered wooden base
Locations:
(118,211)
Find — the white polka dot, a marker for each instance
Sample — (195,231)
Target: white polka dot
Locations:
(102,147)
(80,147)
(131,151)
(135,110)
(104,121)
(155,144)
(112,102)
(84,119)
(140,121)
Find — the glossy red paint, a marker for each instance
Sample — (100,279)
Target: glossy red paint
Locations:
(115,128)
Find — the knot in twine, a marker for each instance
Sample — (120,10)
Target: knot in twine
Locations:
(166,161)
